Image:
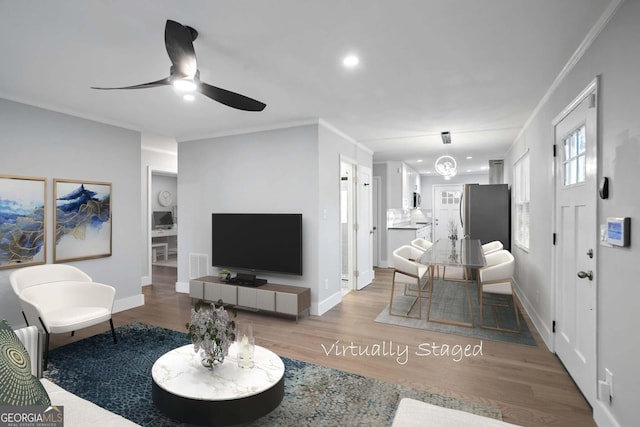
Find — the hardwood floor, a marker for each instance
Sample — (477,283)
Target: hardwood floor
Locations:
(528,384)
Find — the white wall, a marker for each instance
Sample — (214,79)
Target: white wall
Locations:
(285,170)
(42,143)
(615,56)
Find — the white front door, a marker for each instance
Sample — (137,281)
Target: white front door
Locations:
(446,210)
(364,228)
(576,240)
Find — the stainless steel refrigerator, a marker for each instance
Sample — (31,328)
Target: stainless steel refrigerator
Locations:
(485,213)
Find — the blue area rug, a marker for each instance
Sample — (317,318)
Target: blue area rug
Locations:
(450,303)
(118,378)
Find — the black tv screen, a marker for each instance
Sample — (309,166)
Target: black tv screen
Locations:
(257,241)
(162,219)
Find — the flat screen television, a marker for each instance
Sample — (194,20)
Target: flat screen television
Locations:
(270,242)
(162,219)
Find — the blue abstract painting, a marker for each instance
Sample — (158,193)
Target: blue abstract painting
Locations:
(22,221)
(82,220)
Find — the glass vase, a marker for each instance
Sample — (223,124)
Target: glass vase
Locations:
(245,344)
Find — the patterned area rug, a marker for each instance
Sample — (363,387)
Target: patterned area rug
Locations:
(450,303)
(118,378)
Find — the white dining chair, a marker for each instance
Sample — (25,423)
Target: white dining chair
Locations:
(409,273)
(497,278)
(491,247)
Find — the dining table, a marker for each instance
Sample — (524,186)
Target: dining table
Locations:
(464,255)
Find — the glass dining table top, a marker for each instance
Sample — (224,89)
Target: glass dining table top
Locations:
(459,253)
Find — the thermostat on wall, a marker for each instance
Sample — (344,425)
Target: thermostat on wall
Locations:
(619,231)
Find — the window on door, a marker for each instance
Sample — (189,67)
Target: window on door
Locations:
(574,155)
(450,197)
(521,187)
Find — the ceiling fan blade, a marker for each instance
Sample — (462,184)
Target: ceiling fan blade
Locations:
(157,83)
(179,43)
(231,99)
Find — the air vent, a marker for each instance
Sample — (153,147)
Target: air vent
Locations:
(198,265)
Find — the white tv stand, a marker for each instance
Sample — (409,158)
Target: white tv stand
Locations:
(270,297)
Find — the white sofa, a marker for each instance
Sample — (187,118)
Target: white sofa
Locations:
(77,411)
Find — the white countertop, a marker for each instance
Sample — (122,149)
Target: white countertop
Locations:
(409,226)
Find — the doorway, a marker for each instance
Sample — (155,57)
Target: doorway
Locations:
(364,228)
(163,222)
(575,257)
(446,210)
(347,227)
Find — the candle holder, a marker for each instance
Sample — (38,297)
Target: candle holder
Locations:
(245,343)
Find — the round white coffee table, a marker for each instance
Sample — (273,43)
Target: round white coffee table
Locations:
(185,390)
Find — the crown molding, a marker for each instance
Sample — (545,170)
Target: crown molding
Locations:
(595,31)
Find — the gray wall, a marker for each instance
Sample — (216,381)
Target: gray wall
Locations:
(615,57)
(42,143)
(284,170)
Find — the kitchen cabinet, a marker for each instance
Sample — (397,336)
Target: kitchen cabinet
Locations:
(398,236)
(402,181)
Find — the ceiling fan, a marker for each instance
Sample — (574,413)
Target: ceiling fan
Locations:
(184,74)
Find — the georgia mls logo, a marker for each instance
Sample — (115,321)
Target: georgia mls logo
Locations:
(31,416)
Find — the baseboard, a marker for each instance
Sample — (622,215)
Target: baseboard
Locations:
(327,304)
(128,303)
(541,326)
(603,416)
(145,280)
(182,287)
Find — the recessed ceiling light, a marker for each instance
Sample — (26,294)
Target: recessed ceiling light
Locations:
(188,97)
(469,157)
(419,160)
(350,61)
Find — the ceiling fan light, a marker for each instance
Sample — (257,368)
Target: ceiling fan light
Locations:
(184,85)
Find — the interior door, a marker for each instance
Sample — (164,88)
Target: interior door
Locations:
(446,210)
(576,245)
(375,205)
(364,228)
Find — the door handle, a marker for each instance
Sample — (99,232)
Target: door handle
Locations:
(582,274)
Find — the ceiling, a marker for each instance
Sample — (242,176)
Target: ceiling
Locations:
(476,68)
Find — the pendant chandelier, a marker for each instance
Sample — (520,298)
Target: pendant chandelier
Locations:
(446,166)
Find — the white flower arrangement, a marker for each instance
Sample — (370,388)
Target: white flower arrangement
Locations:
(211,330)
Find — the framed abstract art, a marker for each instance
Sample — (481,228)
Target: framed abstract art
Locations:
(22,221)
(82,220)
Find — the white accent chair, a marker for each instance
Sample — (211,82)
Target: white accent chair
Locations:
(407,272)
(60,298)
(421,244)
(424,245)
(491,247)
(497,278)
